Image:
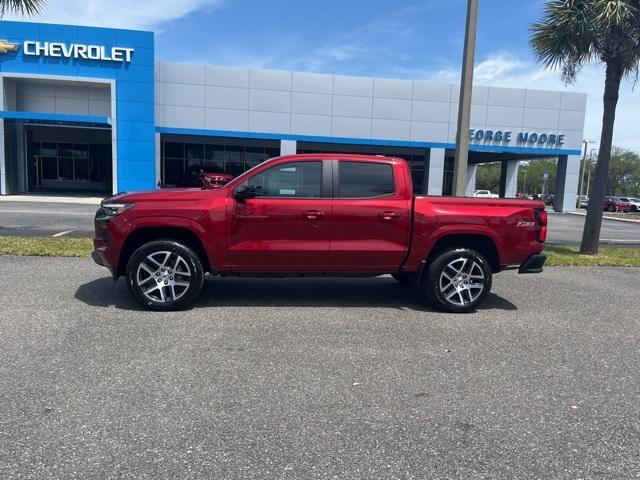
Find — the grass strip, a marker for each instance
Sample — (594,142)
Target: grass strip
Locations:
(606,257)
(46,246)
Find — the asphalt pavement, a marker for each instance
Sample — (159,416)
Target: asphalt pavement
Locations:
(566,229)
(318,378)
(76,220)
(36,219)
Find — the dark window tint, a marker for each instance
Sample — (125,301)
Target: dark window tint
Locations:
(362,179)
(295,180)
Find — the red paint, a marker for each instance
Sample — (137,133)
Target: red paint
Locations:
(324,235)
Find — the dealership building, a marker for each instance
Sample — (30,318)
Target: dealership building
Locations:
(92,110)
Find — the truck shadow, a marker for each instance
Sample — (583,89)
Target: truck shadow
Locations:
(283,292)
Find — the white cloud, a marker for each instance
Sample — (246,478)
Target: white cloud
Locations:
(505,69)
(130,14)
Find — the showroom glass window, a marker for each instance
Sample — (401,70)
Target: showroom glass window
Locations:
(291,180)
(182,161)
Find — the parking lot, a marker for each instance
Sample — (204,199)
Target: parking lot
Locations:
(317,378)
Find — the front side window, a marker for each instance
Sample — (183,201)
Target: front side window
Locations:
(365,179)
(293,180)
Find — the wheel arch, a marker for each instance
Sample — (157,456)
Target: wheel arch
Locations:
(143,235)
(474,241)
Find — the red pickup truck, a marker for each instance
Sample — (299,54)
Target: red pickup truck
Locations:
(317,215)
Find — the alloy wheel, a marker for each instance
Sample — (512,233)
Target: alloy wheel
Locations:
(163,276)
(462,281)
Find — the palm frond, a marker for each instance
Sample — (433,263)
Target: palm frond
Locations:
(25,7)
(564,37)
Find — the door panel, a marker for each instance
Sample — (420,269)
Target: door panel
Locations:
(282,230)
(369,234)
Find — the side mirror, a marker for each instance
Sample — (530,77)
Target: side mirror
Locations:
(243,192)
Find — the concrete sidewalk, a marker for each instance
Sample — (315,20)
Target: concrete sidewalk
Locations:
(78,200)
(607,217)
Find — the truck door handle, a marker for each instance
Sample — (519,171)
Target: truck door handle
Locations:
(387,216)
(313,214)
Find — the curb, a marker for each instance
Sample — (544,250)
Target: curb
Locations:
(604,217)
(51,199)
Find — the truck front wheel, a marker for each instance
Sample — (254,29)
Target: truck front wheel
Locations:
(165,275)
(457,280)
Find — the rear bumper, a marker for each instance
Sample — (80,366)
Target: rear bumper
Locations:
(533,264)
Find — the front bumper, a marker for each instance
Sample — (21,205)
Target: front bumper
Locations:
(533,264)
(96,258)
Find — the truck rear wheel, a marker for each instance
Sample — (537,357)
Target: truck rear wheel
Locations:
(458,280)
(165,275)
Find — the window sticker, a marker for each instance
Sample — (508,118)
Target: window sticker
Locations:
(287,191)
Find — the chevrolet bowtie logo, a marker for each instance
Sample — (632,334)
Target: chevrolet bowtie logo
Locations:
(8,47)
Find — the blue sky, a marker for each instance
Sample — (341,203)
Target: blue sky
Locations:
(404,38)
(412,39)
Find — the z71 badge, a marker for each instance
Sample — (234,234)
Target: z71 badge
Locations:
(526,224)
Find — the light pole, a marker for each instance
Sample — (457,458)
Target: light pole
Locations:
(464,108)
(589,172)
(584,163)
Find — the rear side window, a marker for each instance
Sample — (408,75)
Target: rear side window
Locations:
(292,180)
(365,179)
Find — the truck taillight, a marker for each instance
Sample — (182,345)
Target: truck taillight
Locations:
(541,217)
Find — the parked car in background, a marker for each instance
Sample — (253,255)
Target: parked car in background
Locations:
(615,204)
(485,194)
(524,196)
(584,201)
(634,202)
(547,198)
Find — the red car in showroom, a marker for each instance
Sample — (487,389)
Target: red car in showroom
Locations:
(317,215)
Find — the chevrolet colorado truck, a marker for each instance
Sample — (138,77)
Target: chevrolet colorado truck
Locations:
(317,215)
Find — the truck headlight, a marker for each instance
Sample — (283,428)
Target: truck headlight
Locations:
(113,209)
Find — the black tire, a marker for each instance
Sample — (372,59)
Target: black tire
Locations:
(466,299)
(403,278)
(179,278)
(611,208)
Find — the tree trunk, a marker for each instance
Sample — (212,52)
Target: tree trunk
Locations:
(593,222)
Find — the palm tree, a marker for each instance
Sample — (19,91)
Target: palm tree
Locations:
(573,33)
(25,7)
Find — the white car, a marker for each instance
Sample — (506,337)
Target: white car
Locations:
(635,203)
(485,194)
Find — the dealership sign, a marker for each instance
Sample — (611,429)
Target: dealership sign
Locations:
(34,48)
(505,136)
(77,51)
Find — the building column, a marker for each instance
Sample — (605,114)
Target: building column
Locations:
(471,180)
(566,191)
(114,159)
(288,147)
(21,161)
(3,170)
(509,179)
(436,171)
(158,160)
